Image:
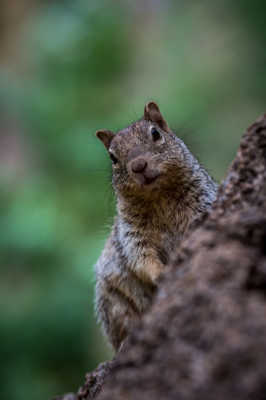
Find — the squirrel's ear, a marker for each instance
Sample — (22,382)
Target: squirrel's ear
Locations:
(153,113)
(105,136)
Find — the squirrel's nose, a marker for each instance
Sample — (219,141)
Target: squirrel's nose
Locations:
(138,165)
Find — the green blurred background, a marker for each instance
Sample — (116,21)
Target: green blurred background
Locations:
(67,69)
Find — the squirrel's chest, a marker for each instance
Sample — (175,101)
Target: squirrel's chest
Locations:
(149,243)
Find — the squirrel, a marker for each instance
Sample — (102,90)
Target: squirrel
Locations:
(160,189)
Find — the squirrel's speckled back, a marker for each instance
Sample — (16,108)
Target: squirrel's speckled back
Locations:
(160,189)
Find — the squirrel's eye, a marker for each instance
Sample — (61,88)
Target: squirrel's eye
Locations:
(155,134)
(113,158)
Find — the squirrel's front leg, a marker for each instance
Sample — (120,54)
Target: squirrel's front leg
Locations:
(149,267)
(115,313)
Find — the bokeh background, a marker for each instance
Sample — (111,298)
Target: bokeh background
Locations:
(68,68)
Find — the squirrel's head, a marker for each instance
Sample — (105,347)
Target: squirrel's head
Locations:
(143,154)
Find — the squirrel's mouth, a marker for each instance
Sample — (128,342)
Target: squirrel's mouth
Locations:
(147,177)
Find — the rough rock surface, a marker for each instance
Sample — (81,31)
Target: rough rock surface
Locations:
(205,336)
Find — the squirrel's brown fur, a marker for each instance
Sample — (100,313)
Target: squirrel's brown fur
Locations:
(160,189)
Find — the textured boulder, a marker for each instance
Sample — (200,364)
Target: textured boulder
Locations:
(205,335)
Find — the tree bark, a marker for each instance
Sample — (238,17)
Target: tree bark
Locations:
(205,335)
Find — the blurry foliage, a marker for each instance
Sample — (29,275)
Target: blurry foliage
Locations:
(93,65)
